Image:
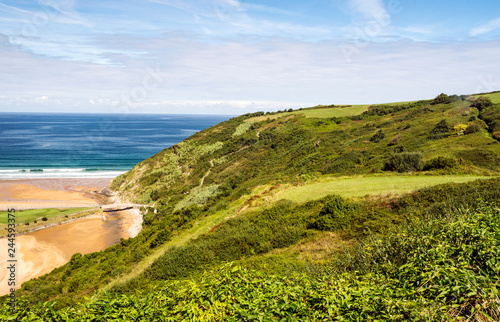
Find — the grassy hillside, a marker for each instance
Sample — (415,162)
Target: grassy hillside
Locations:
(240,152)
(253,221)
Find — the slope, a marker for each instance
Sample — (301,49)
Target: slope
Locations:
(217,193)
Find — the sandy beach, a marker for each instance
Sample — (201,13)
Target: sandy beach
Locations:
(50,193)
(41,251)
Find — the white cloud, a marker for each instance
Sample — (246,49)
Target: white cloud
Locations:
(232,78)
(486,28)
(231,17)
(14,10)
(421,30)
(234,3)
(370,9)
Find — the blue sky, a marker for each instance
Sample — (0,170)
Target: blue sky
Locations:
(237,56)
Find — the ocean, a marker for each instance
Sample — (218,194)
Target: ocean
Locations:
(36,146)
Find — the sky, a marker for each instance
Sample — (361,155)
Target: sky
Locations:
(239,56)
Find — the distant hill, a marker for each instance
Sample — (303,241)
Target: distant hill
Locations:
(305,214)
(260,148)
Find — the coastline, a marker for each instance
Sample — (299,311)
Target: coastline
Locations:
(51,243)
(51,193)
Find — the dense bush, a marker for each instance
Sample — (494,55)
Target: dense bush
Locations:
(404,162)
(484,158)
(433,269)
(441,130)
(336,214)
(445,99)
(440,163)
(344,162)
(491,116)
(482,102)
(381,110)
(378,136)
(117,182)
(442,99)
(279,226)
(259,232)
(473,128)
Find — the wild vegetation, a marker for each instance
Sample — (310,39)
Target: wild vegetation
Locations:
(226,243)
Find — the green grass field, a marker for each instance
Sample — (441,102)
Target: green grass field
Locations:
(317,113)
(333,112)
(35,214)
(396,103)
(494,97)
(362,186)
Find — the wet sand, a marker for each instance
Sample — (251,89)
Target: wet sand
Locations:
(40,252)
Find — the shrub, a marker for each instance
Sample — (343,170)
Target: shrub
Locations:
(482,102)
(440,163)
(161,238)
(491,116)
(117,182)
(459,129)
(481,157)
(473,128)
(145,197)
(347,160)
(336,214)
(442,99)
(44,219)
(404,162)
(441,127)
(440,131)
(377,137)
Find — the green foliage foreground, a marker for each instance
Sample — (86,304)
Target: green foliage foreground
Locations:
(433,269)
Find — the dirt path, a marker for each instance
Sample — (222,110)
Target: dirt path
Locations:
(206,174)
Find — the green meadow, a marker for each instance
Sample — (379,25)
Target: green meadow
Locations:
(495,97)
(329,112)
(363,186)
(37,214)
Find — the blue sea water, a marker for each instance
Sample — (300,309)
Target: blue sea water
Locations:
(88,145)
